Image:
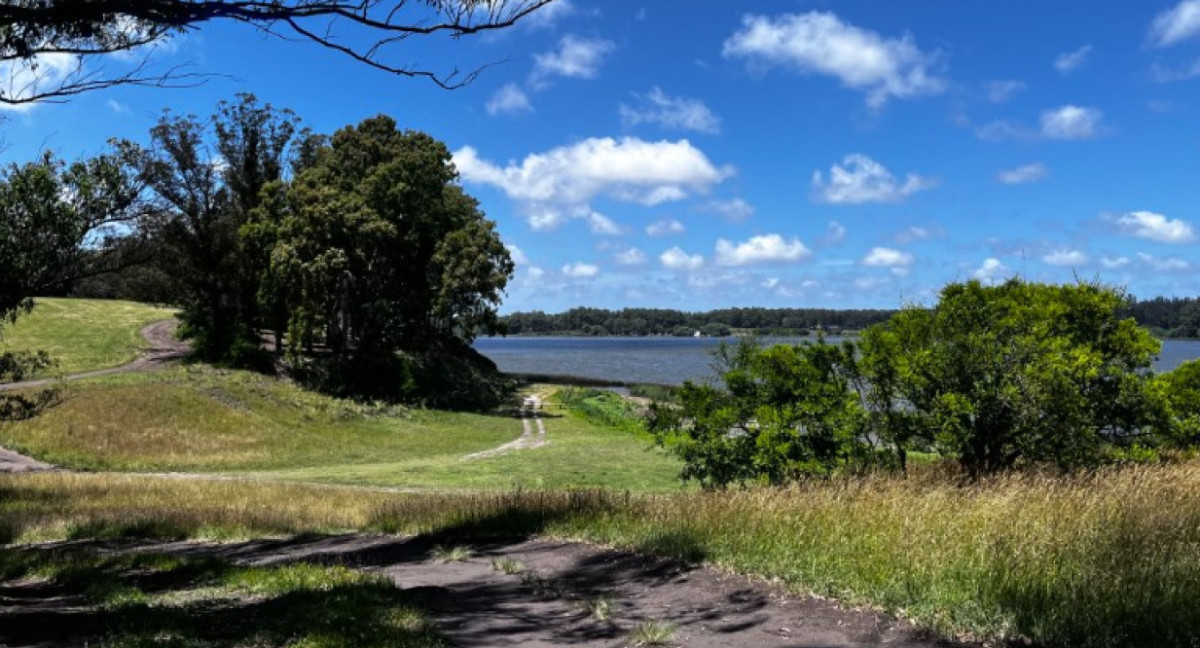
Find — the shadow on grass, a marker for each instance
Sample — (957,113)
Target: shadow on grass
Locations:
(73,596)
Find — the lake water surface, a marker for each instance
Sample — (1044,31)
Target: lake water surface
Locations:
(665,360)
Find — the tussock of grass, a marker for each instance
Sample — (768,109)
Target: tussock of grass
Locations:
(1107,559)
(457,553)
(651,633)
(83,334)
(508,565)
(599,608)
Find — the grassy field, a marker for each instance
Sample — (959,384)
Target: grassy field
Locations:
(83,334)
(198,419)
(1109,559)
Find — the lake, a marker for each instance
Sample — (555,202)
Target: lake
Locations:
(664,360)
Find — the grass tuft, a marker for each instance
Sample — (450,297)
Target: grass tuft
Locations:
(652,633)
(508,565)
(457,553)
(599,608)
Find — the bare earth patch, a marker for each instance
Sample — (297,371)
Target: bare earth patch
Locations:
(545,598)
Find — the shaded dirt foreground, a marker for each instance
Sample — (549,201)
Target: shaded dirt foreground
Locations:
(532,593)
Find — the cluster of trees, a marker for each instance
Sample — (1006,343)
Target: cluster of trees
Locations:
(658,321)
(993,376)
(358,253)
(1172,317)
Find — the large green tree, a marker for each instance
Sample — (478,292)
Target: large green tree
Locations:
(381,250)
(1018,372)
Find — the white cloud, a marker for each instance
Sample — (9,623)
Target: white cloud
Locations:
(575,58)
(1164,74)
(913,233)
(992,270)
(1176,24)
(734,211)
(819,42)
(664,227)
(859,179)
(508,100)
(24,79)
(601,224)
(1068,62)
(1003,90)
(677,259)
(1169,264)
(1065,257)
(768,248)
(1112,263)
(549,15)
(580,270)
(675,113)
(534,274)
(629,169)
(1023,174)
(1156,227)
(882,257)
(1003,129)
(1071,122)
(835,232)
(117,107)
(518,257)
(630,257)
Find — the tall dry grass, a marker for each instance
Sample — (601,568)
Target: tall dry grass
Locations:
(1106,559)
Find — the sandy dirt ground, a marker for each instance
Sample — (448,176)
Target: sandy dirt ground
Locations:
(531,409)
(477,605)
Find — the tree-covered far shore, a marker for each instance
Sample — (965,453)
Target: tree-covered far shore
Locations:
(1165,317)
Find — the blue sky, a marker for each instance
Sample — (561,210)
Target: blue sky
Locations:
(833,154)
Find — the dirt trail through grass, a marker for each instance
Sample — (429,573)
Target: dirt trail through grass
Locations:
(531,408)
(163,348)
(529,593)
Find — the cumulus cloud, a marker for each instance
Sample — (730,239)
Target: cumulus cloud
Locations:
(1023,174)
(821,43)
(913,233)
(1071,122)
(549,15)
(1164,74)
(508,100)
(734,211)
(859,179)
(882,257)
(674,113)
(1156,227)
(601,224)
(628,169)
(518,257)
(992,270)
(1002,90)
(580,270)
(1112,263)
(1003,129)
(768,248)
(1068,62)
(1177,24)
(665,227)
(575,58)
(1065,257)
(630,257)
(1169,264)
(677,259)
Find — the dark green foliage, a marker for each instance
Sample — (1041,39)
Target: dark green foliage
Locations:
(781,413)
(1181,389)
(996,376)
(717,323)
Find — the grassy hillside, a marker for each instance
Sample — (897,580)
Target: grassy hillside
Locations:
(83,334)
(199,419)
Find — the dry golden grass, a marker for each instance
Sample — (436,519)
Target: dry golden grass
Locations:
(1107,559)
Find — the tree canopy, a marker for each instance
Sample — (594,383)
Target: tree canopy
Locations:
(56,48)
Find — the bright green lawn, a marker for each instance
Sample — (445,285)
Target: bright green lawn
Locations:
(198,419)
(83,334)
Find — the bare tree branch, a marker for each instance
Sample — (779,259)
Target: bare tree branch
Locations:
(52,49)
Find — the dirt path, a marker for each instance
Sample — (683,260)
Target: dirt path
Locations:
(163,348)
(531,409)
(543,604)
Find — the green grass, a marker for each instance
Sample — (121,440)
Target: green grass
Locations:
(1109,559)
(83,334)
(652,633)
(147,599)
(198,419)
